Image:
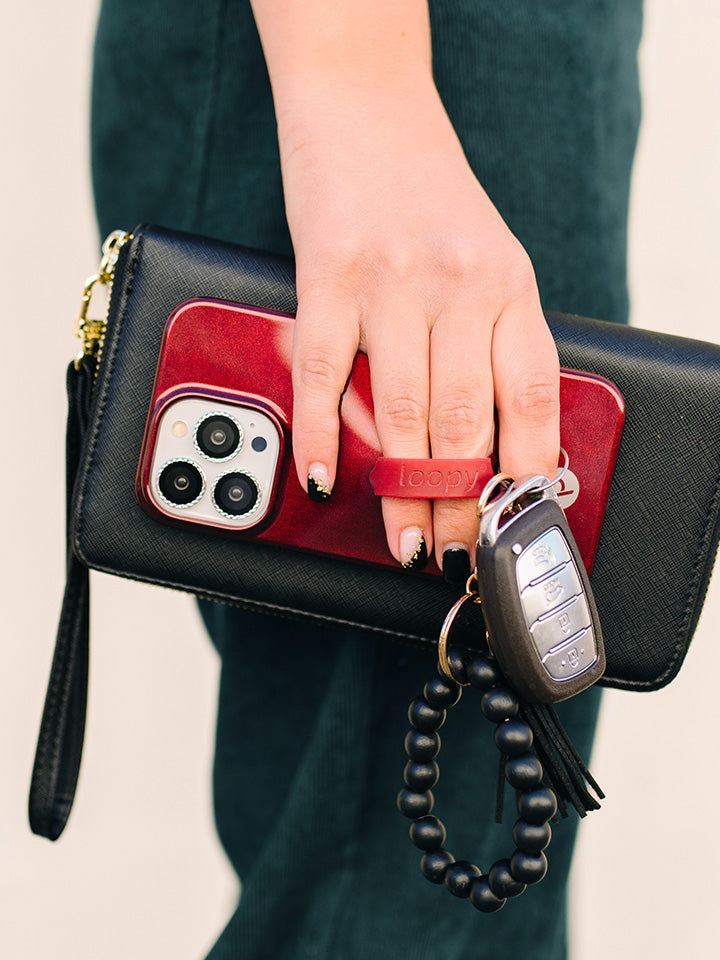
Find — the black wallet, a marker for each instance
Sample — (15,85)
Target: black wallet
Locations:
(652,569)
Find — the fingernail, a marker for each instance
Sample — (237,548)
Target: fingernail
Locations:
(318,482)
(413,549)
(456,564)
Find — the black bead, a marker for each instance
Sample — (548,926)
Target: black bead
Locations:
(525,772)
(435,863)
(528,868)
(459,876)
(428,833)
(502,883)
(483,673)
(538,806)
(458,660)
(422,746)
(424,717)
(483,898)
(421,776)
(415,805)
(531,837)
(441,693)
(513,737)
(499,704)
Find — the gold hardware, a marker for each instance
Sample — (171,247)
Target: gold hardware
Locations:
(500,479)
(443,661)
(92,332)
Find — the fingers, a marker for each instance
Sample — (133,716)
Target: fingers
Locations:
(327,337)
(526,373)
(518,373)
(460,421)
(324,346)
(435,382)
(398,352)
(473,367)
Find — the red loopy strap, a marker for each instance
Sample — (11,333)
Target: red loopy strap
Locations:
(430,479)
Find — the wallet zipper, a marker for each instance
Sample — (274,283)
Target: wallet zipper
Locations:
(92,332)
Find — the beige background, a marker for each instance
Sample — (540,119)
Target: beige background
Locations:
(138,873)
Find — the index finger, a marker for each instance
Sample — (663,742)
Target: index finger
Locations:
(324,346)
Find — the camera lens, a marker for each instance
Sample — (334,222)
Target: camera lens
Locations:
(181,483)
(218,436)
(236,494)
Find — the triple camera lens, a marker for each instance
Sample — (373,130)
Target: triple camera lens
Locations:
(218,436)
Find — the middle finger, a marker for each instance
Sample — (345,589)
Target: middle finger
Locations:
(461,419)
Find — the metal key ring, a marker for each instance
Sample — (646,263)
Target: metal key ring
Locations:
(501,478)
(560,474)
(448,622)
(490,487)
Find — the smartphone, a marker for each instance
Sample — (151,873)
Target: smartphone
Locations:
(217,446)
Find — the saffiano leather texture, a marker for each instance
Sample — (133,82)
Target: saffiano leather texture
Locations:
(652,569)
(659,536)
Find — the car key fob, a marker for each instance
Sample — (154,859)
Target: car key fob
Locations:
(539,610)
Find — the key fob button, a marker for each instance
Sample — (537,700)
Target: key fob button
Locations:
(537,601)
(560,625)
(544,554)
(553,590)
(572,659)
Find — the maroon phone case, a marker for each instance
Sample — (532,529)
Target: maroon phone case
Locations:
(243,354)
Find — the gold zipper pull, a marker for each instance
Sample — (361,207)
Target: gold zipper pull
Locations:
(92,332)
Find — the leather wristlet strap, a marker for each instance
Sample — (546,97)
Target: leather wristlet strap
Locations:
(62,729)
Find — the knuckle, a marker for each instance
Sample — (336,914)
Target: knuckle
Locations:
(456,419)
(521,274)
(401,260)
(505,269)
(463,260)
(316,371)
(535,398)
(332,275)
(516,275)
(404,412)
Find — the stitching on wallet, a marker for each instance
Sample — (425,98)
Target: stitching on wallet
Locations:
(263,606)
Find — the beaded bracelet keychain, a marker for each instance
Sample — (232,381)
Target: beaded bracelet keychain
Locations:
(537,758)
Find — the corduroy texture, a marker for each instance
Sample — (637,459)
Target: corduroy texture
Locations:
(309,753)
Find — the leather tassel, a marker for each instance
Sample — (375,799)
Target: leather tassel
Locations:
(565,770)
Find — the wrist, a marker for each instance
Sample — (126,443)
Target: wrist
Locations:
(324,50)
(315,96)
(321,111)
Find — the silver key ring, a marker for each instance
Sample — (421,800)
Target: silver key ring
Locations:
(561,472)
(505,478)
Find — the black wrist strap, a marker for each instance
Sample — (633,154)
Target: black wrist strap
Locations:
(62,729)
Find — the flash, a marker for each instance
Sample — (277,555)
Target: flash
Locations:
(179,428)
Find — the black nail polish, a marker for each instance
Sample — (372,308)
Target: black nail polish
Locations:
(456,566)
(317,491)
(418,560)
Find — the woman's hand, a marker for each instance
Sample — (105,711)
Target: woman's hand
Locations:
(401,254)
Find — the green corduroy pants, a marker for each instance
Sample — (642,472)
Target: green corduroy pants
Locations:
(309,753)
